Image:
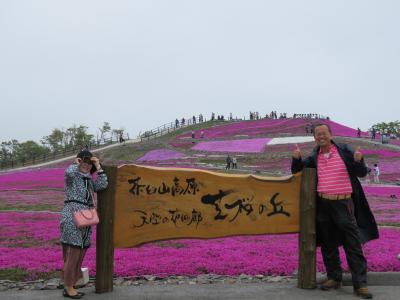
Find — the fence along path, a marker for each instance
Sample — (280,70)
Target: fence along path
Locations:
(68,154)
(69,157)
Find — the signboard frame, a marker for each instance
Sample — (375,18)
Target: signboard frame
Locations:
(307,232)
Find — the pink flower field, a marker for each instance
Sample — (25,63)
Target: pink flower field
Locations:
(30,202)
(271,127)
(239,146)
(382,191)
(35,235)
(382,153)
(161,154)
(32,179)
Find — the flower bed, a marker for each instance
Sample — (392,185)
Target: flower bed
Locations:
(268,127)
(238,146)
(35,235)
(382,153)
(382,190)
(32,179)
(160,154)
(32,200)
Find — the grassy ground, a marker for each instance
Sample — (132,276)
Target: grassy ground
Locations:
(16,274)
(128,153)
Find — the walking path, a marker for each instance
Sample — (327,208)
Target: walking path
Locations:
(390,290)
(71,157)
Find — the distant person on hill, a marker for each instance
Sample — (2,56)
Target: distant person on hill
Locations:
(234,162)
(228,162)
(308,128)
(79,189)
(202,134)
(343,215)
(385,138)
(376,173)
(373,134)
(193,136)
(312,128)
(358,132)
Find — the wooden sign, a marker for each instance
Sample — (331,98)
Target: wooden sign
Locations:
(143,204)
(157,204)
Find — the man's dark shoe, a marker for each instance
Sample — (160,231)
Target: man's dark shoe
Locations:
(363,293)
(330,284)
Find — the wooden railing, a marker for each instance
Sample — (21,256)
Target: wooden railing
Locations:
(169,127)
(51,156)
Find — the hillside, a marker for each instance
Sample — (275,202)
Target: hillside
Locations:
(263,146)
(30,200)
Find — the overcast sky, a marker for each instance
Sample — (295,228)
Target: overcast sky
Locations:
(140,64)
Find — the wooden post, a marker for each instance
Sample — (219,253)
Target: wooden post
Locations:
(307,237)
(105,234)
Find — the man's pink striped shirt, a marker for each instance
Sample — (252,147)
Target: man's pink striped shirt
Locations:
(333,178)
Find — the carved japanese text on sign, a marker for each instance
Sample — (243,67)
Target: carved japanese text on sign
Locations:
(158,203)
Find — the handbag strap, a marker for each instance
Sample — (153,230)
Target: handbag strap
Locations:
(77,201)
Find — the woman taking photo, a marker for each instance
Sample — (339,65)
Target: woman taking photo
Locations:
(79,188)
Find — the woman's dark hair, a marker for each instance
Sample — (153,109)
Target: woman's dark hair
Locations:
(84,153)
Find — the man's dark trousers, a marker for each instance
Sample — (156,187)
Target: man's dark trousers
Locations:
(338,216)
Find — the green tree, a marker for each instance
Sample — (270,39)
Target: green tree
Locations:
(30,150)
(81,137)
(104,129)
(390,127)
(7,150)
(117,133)
(55,141)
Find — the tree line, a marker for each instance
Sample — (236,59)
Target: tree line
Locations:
(388,128)
(57,141)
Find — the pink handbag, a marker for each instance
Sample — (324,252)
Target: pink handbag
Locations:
(86,217)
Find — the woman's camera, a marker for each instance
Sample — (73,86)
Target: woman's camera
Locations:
(87,160)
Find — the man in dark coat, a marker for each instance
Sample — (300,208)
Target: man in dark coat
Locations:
(343,214)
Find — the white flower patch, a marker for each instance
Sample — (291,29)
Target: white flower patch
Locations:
(291,140)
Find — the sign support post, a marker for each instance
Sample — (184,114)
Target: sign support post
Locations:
(105,234)
(307,236)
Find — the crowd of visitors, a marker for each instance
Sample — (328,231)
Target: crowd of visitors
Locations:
(274,115)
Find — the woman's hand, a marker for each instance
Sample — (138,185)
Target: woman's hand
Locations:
(96,162)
